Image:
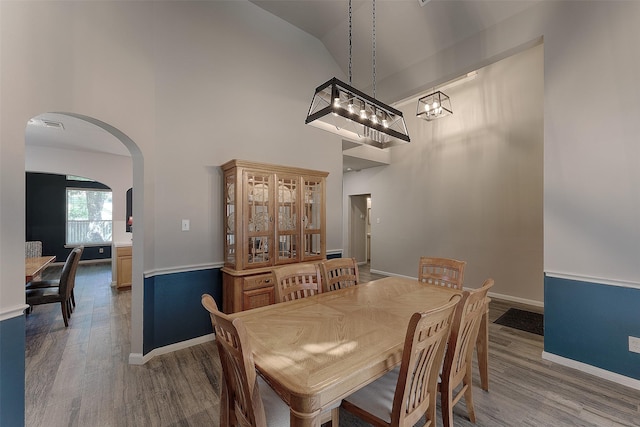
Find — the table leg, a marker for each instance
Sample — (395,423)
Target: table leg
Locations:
(302,415)
(482,348)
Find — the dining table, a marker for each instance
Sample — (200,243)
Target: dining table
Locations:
(318,350)
(33,266)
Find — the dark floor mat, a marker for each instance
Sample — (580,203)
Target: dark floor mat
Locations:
(527,321)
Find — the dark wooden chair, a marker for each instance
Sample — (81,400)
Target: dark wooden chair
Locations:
(54,283)
(339,273)
(61,291)
(407,393)
(456,370)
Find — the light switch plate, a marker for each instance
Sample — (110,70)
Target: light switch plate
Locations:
(185,225)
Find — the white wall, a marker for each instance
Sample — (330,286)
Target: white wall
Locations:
(113,171)
(468,186)
(591,105)
(193,84)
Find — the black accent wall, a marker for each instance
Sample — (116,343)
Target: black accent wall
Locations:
(46,197)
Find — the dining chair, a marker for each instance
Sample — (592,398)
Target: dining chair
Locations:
(442,272)
(61,293)
(296,281)
(54,283)
(456,369)
(408,392)
(33,249)
(339,273)
(246,399)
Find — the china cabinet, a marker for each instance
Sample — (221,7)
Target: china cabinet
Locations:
(273,215)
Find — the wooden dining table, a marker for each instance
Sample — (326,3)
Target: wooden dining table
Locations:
(318,350)
(36,265)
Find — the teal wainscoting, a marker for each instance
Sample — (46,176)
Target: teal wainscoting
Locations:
(591,323)
(12,371)
(172,309)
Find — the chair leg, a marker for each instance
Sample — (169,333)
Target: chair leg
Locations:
(446,396)
(335,417)
(63,305)
(73,299)
(468,395)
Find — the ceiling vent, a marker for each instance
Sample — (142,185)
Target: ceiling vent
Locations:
(52,124)
(46,123)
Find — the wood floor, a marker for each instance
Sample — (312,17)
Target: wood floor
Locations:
(79,376)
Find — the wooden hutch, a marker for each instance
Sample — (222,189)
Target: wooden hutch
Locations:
(273,215)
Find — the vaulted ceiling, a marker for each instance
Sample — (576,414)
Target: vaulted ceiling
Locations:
(406,32)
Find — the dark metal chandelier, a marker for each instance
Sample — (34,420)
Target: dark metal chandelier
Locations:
(340,108)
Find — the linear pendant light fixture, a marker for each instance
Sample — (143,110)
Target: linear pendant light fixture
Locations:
(340,108)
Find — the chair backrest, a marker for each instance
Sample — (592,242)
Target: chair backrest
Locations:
(422,356)
(464,332)
(442,272)
(72,277)
(32,249)
(297,281)
(339,273)
(240,388)
(68,273)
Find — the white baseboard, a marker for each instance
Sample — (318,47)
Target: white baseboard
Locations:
(491,294)
(593,370)
(139,359)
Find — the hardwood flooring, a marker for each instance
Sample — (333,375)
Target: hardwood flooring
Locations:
(80,376)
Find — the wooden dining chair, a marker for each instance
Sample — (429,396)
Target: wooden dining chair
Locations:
(407,393)
(297,281)
(456,370)
(61,293)
(339,273)
(442,272)
(245,398)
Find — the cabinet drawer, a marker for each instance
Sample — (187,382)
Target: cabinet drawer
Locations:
(258,281)
(123,251)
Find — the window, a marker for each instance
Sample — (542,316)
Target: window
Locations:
(89,214)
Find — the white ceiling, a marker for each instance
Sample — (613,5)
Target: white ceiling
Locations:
(406,33)
(57,130)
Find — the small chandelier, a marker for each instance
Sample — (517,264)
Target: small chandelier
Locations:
(434,106)
(340,108)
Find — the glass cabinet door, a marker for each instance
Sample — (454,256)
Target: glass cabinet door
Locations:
(312,219)
(287,231)
(230,219)
(259,219)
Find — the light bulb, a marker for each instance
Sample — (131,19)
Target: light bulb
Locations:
(385,123)
(435,104)
(350,107)
(426,107)
(336,102)
(363,114)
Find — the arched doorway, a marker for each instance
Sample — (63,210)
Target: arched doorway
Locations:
(67,139)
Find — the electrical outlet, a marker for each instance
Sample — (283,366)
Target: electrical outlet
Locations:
(185,225)
(101,250)
(634,344)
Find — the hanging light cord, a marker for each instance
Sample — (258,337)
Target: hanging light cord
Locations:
(374,48)
(350,43)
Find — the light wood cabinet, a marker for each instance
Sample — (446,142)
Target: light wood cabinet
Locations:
(273,215)
(124,266)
